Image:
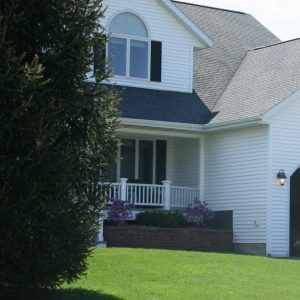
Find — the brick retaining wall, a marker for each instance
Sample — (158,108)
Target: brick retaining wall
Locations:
(169,238)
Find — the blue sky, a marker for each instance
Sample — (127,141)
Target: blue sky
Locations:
(282,17)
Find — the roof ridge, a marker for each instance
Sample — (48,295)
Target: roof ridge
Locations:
(276,44)
(231,79)
(205,6)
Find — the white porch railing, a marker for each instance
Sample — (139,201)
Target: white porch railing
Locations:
(114,191)
(182,196)
(154,195)
(145,194)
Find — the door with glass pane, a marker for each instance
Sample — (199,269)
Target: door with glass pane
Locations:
(128,151)
(145,174)
(143,161)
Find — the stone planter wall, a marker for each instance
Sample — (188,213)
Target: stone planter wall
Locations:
(169,238)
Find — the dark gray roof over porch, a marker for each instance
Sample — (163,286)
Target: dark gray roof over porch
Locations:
(157,105)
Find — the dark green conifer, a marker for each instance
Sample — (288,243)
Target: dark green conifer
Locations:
(57,136)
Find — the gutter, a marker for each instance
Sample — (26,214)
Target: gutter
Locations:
(245,122)
(195,128)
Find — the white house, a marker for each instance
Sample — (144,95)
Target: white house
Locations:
(211,106)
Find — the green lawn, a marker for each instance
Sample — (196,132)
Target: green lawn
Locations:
(119,273)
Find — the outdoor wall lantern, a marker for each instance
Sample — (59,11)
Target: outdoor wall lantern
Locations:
(281,177)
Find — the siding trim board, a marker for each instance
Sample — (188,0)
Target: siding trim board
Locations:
(188,23)
(269,199)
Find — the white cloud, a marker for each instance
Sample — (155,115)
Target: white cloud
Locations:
(279,16)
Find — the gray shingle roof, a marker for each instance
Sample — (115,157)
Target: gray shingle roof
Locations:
(233,34)
(266,77)
(139,103)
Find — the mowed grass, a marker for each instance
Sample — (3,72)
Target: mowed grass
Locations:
(120,273)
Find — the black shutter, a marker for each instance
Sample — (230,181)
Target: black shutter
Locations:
(161,161)
(156,51)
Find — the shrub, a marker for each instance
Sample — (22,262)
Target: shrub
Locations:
(120,211)
(56,137)
(161,218)
(198,213)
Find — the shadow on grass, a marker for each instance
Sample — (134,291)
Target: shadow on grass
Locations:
(81,294)
(60,294)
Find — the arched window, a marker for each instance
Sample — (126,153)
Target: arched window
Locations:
(128,47)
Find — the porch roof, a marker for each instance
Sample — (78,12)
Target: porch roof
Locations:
(157,105)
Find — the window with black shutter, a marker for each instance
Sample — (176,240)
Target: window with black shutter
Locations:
(131,53)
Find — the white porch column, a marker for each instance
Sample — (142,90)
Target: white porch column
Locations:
(100,235)
(123,189)
(167,194)
(101,243)
(202,166)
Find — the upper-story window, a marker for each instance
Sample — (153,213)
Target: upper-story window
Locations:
(129,46)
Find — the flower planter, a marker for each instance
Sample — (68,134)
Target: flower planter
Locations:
(188,238)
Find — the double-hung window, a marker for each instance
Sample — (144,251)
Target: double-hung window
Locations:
(129,46)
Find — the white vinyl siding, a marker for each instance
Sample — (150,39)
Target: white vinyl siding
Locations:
(183,161)
(236,179)
(177,44)
(285,154)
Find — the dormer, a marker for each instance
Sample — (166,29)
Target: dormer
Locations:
(151,44)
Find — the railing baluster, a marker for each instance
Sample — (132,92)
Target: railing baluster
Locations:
(147,193)
(132,195)
(159,195)
(151,195)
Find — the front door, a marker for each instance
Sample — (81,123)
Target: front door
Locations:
(295,214)
(143,161)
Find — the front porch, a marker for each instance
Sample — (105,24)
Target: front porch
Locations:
(159,165)
(158,169)
(163,195)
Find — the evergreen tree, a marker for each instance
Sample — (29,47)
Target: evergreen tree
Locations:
(57,136)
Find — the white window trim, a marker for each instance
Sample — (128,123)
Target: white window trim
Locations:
(128,38)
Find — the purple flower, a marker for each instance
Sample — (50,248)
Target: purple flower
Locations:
(198,213)
(120,211)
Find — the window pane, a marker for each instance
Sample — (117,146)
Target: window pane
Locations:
(127,23)
(117,55)
(146,161)
(138,59)
(128,159)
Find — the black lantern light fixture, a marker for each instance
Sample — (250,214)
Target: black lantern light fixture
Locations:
(281,177)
